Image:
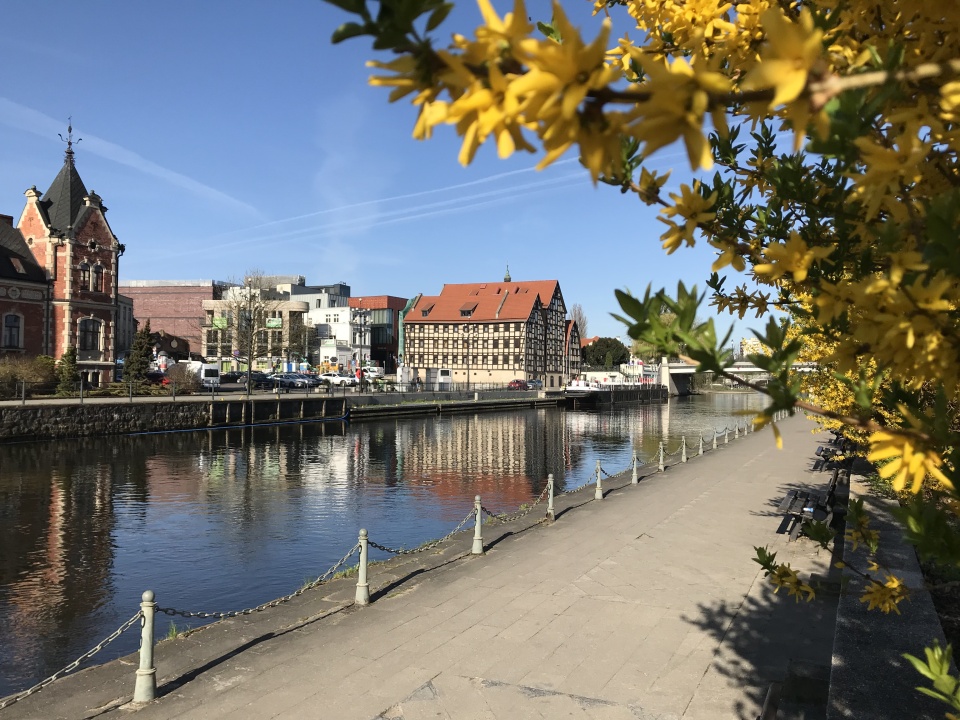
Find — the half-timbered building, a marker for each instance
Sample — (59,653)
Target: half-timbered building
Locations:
(490,334)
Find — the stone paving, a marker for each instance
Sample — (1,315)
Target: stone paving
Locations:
(646,605)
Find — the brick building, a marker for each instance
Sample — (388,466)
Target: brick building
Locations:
(174,307)
(24,296)
(492,333)
(66,231)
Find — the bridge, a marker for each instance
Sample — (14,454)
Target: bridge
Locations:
(677,375)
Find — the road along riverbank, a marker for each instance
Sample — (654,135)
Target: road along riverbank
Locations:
(643,603)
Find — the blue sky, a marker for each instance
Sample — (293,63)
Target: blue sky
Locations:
(225,137)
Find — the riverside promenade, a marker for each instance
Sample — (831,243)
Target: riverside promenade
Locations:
(646,605)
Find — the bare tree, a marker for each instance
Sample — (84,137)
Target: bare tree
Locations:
(249,320)
(580,318)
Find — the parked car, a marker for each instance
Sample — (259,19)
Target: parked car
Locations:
(373,372)
(231,376)
(155,377)
(289,380)
(337,379)
(258,380)
(535,384)
(310,380)
(517,385)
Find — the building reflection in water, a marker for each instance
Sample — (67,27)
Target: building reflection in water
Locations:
(221,520)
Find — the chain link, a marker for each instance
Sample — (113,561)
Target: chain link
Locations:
(427,546)
(273,603)
(516,515)
(676,452)
(72,666)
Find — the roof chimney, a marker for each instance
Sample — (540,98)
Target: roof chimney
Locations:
(6,220)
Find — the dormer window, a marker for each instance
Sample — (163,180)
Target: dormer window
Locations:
(426,311)
(97,279)
(84,276)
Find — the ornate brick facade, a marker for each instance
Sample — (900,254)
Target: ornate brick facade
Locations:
(74,299)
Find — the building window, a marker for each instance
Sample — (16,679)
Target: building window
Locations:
(84,276)
(89,334)
(98,279)
(12,325)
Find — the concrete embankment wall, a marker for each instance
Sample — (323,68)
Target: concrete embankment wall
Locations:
(51,420)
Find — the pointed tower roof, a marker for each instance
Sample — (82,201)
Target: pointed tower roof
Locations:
(63,200)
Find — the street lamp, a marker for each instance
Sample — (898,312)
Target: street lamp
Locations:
(360,319)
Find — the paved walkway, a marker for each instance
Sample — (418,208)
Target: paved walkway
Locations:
(645,605)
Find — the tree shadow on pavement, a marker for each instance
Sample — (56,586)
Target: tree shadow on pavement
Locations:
(770,638)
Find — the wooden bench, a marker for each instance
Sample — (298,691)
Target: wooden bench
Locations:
(802,505)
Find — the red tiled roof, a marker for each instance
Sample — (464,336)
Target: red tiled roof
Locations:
(588,341)
(490,301)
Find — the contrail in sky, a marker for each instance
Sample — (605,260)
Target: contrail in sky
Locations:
(32,121)
(415,212)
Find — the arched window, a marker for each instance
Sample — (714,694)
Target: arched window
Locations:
(97,278)
(84,276)
(12,331)
(89,334)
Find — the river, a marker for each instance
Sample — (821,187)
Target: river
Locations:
(227,519)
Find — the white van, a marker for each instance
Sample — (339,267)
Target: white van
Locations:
(372,372)
(208,373)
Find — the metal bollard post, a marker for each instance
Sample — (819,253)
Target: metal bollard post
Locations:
(700,451)
(726,436)
(146,688)
(736,431)
(130,387)
(477,532)
(23,395)
(363,587)
(598,495)
(683,448)
(714,440)
(634,479)
(550,513)
(660,452)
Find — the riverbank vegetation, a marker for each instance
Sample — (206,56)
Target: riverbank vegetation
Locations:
(824,140)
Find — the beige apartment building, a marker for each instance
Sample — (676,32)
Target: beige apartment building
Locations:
(257,321)
(491,333)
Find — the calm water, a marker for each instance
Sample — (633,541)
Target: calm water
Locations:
(223,520)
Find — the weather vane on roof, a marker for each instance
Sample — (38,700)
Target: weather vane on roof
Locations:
(69,138)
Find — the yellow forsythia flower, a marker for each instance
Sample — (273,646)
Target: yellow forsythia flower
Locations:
(885,597)
(793,256)
(908,463)
(792,49)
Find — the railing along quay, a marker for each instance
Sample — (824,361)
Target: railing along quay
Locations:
(145,675)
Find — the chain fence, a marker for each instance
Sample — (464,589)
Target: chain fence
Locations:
(517,514)
(273,603)
(75,664)
(426,546)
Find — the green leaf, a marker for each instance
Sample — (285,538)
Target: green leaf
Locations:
(438,16)
(347,31)
(351,6)
(549,31)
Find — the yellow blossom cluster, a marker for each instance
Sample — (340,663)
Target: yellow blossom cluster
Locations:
(784,576)
(885,596)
